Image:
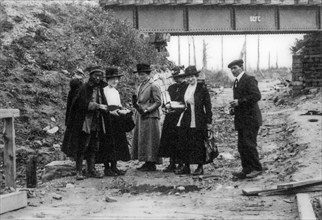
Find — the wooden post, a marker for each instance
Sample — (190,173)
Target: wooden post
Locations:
(10,152)
(9,145)
(31,172)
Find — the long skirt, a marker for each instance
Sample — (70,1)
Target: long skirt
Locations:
(114,145)
(146,139)
(191,145)
(169,137)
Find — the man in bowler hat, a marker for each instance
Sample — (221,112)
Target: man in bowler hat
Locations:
(248,119)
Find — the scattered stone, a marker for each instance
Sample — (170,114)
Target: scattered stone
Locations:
(53,119)
(314,91)
(110,199)
(58,169)
(53,130)
(46,128)
(226,156)
(57,196)
(42,193)
(69,185)
(177,194)
(181,188)
(280,102)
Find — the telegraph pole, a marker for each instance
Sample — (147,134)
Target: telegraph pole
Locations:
(189,50)
(194,51)
(258,54)
(179,58)
(269,60)
(245,53)
(222,53)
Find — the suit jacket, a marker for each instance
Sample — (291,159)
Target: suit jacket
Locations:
(149,97)
(247,113)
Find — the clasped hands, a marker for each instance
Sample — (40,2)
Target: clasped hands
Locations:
(142,111)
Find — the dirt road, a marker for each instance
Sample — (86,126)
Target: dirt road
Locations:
(290,149)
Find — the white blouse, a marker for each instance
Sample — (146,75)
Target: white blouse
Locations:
(189,98)
(112,96)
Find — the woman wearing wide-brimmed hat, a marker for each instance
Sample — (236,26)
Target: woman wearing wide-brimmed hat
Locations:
(193,123)
(146,137)
(115,144)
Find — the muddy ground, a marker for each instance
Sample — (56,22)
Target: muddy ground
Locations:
(289,147)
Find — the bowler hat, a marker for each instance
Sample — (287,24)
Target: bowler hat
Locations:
(96,69)
(190,71)
(239,62)
(142,67)
(112,72)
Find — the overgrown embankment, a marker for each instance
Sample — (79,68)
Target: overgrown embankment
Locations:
(40,48)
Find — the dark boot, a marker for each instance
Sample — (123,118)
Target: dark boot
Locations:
(91,171)
(79,167)
(184,170)
(107,170)
(115,170)
(171,168)
(199,170)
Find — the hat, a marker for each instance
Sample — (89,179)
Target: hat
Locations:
(112,72)
(239,62)
(142,67)
(177,71)
(190,71)
(96,69)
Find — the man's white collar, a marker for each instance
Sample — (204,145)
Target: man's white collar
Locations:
(240,76)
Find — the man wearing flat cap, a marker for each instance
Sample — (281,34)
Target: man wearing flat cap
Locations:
(146,137)
(86,123)
(248,119)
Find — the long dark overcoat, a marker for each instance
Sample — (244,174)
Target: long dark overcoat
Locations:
(191,140)
(78,110)
(169,134)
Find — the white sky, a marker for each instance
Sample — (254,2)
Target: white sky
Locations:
(276,45)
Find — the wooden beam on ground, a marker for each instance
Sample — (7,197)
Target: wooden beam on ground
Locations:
(9,113)
(9,152)
(300,183)
(273,190)
(304,206)
(303,189)
(13,201)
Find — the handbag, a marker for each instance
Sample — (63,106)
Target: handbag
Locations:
(211,147)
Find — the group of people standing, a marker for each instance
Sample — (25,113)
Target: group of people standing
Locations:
(96,122)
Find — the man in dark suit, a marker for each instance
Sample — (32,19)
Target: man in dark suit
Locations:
(248,119)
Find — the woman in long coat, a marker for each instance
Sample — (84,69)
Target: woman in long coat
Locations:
(193,123)
(114,146)
(146,137)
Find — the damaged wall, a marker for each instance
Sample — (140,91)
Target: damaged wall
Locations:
(307,63)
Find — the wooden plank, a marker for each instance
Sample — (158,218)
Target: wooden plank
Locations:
(302,189)
(304,207)
(9,113)
(9,152)
(256,190)
(13,201)
(299,183)
(273,190)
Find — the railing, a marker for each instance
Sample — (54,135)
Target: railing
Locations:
(8,116)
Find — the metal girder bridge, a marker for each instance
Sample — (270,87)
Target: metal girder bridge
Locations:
(215,17)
